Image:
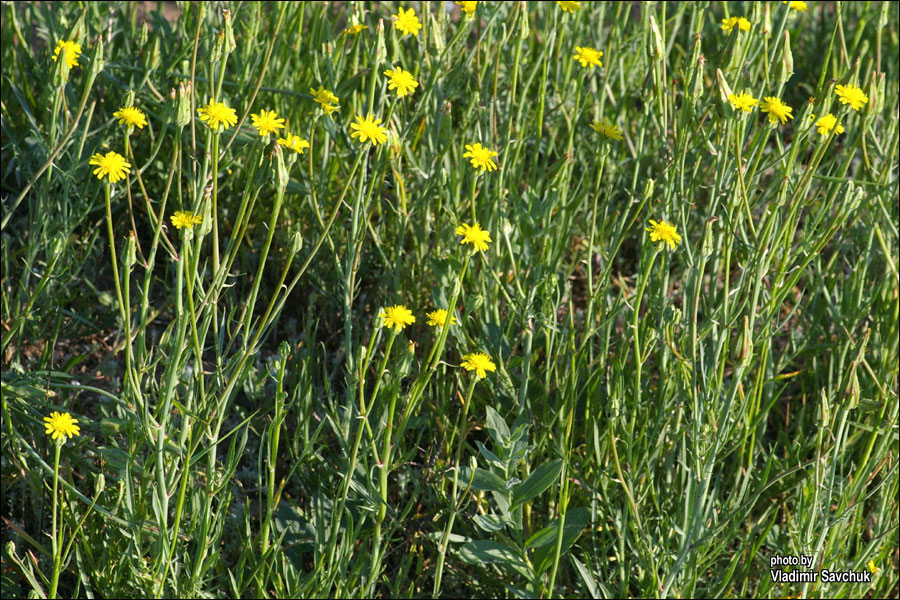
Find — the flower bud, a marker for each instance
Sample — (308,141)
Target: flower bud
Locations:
(787,60)
(130,251)
(97,63)
(230,44)
(61,70)
(218,47)
(724,92)
(143,36)
(524,27)
(281,172)
(183,107)
(656,49)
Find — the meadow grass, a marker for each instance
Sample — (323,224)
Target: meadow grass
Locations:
(670,356)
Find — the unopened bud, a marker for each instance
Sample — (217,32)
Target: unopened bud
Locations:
(524,27)
(656,43)
(787,59)
(130,251)
(230,44)
(183,107)
(97,63)
(144,35)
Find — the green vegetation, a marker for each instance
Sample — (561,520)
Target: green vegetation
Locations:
(669,350)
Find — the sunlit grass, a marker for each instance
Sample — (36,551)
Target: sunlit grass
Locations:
(473,300)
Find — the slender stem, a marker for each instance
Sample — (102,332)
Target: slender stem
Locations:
(385,464)
(55,540)
(445,539)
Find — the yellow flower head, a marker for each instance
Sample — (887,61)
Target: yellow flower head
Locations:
(795,5)
(293,142)
(742,23)
(474,235)
(407,22)
(185,218)
(113,164)
(480,157)
(778,110)
(479,362)
(588,56)
(852,95)
(438,318)
(73,51)
(131,116)
(325,99)
(368,128)
(217,115)
(743,101)
(267,122)
(468,7)
(402,81)
(61,425)
(873,568)
(397,316)
(355,29)
(664,232)
(825,124)
(607,130)
(569,6)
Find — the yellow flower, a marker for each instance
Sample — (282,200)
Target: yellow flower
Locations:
(743,101)
(73,51)
(480,157)
(569,6)
(852,95)
(742,24)
(474,235)
(217,115)
(478,362)
(827,123)
(293,142)
(368,128)
(402,81)
(873,568)
(777,110)
(397,316)
(131,116)
(113,164)
(801,6)
(267,122)
(60,425)
(664,232)
(355,29)
(607,130)
(327,100)
(185,219)
(588,56)
(407,22)
(468,7)
(438,318)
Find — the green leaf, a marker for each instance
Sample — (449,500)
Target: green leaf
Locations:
(483,480)
(586,577)
(490,523)
(485,552)
(496,426)
(542,478)
(576,521)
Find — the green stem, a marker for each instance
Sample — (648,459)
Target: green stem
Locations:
(56,544)
(445,538)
